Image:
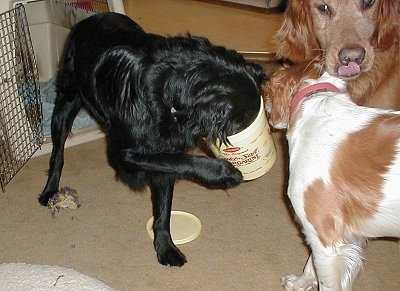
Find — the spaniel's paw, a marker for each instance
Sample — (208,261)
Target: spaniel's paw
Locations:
(297,283)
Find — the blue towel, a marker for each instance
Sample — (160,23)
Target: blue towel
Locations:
(48,96)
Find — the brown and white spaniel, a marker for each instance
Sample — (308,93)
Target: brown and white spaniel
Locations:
(344,177)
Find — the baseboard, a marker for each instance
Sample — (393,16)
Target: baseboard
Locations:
(74,140)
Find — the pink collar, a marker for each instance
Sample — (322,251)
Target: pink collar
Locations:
(320,87)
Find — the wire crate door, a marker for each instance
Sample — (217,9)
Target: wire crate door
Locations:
(21,131)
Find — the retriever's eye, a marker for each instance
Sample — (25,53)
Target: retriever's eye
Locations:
(367,3)
(324,9)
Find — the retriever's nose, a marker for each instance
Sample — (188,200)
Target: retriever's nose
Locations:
(354,54)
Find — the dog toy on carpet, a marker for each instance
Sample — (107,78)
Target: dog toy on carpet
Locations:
(65,198)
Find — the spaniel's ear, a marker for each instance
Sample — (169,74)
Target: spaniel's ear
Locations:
(277,94)
(387,24)
(279,90)
(295,39)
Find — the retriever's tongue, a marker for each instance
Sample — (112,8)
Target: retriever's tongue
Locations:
(350,70)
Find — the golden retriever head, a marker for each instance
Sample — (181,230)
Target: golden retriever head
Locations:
(344,35)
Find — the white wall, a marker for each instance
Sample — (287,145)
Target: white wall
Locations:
(4,6)
(115,5)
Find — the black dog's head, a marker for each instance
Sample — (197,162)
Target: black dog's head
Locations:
(193,88)
(224,103)
(215,91)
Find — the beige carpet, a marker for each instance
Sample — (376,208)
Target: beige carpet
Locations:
(248,240)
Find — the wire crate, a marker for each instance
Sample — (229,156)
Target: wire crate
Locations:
(32,37)
(20,107)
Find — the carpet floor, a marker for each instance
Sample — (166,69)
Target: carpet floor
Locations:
(248,238)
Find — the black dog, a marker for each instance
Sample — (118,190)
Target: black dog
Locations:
(155,98)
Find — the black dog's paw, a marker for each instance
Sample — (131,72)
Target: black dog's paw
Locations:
(45,197)
(171,256)
(167,253)
(227,176)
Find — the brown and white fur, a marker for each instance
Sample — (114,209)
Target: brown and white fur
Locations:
(344,180)
(356,40)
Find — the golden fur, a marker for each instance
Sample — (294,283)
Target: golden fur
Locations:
(314,36)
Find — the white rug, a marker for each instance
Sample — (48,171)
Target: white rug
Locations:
(26,277)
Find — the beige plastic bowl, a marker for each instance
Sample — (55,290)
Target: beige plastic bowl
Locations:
(185,227)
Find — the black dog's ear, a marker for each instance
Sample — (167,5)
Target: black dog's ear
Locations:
(257,73)
(224,116)
(215,118)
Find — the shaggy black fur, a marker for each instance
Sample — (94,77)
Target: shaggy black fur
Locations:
(155,98)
